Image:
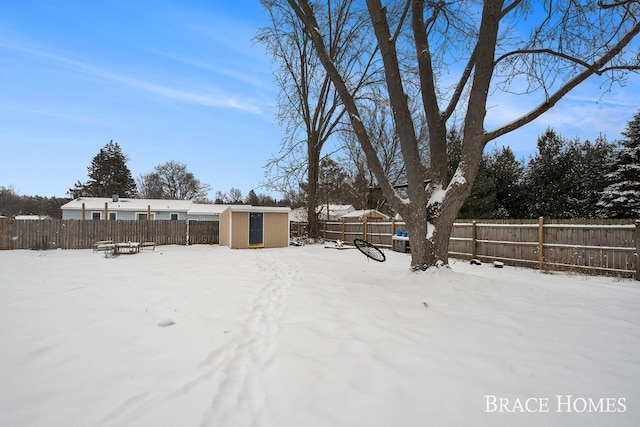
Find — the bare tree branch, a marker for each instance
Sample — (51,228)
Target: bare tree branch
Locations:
(568,86)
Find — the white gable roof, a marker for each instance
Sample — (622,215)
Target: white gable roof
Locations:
(335,211)
(125,204)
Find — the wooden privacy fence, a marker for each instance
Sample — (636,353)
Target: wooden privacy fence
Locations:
(75,234)
(608,247)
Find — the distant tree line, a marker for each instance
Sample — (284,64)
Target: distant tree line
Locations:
(12,204)
(564,179)
(234,197)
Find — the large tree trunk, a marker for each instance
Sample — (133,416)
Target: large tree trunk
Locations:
(430,230)
(312,190)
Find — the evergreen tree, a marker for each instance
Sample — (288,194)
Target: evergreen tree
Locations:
(108,175)
(621,198)
(594,161)
(481,203)
(553,178)
(252,199)
(507,174)
(565,178)
(546,178)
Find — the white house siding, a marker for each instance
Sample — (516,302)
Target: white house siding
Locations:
(132,209)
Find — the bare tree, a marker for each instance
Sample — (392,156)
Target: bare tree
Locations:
(171,180)
(150,186)
(377,118)
(551,47)
(308,104)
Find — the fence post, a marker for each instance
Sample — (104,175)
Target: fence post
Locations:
(474,240)
(366,225)
(343,239)
(541,243)
(637,238)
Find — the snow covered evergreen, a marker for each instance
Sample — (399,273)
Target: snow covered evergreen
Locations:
(621,198)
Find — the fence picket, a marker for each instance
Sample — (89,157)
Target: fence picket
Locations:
(75,234)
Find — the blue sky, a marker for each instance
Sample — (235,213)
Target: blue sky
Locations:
(183,81)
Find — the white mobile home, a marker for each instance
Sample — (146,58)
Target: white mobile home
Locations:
(116,208)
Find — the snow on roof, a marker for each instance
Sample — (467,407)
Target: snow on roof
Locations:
(336,208)
(299,215)
(140,205)
(251,208)
(31,217)
(201,208)
(335,211)
(365,212)
(125,204)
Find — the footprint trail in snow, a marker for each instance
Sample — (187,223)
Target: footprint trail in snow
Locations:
(238,366)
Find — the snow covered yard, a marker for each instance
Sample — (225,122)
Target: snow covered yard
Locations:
(307,336)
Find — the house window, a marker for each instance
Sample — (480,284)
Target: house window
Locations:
(113,216)
(142,216)
(174,217)
(96,215)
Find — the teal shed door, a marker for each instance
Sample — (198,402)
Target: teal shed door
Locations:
(256,228)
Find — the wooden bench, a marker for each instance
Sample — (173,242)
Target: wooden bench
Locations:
(99,245)
(109,249)
(148,245)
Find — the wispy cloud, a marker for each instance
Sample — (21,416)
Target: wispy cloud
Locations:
(226,71)
(209,97)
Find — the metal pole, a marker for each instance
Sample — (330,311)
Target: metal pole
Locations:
(637,238)
(541,243)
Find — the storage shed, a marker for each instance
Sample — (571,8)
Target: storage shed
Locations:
(244,226)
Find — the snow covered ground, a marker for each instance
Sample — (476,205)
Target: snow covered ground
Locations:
(307,336)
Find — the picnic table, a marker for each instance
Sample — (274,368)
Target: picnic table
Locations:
(112,249)
(102,245)
(126,248)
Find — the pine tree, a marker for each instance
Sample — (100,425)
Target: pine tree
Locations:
(594,160)
(547,178)
(507,174)
(108,175)
(252,199)
(481,203)
(621,198)
(565,178)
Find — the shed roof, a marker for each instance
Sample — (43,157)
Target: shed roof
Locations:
(251,208)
